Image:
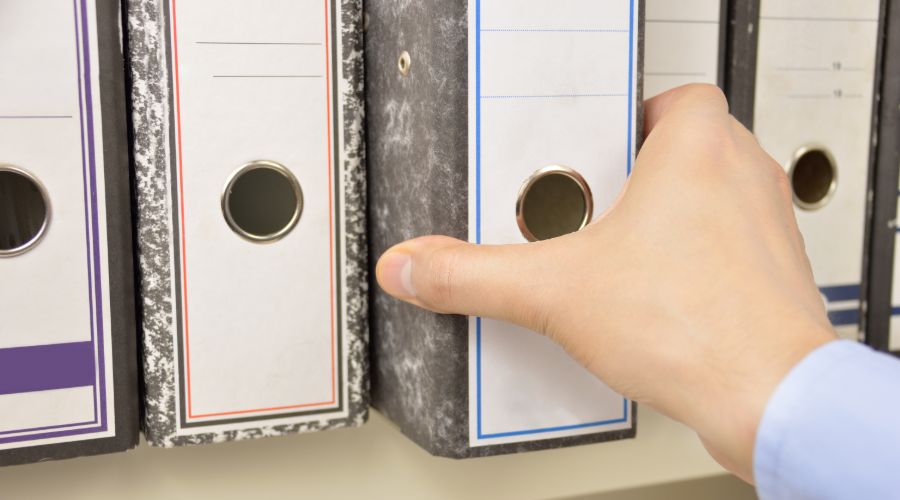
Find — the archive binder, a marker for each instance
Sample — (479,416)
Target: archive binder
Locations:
(685,43)
(803,77)
(248,151)
(883,302)
(496,122)
(68,374)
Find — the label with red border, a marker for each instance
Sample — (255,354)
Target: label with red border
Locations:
(259,332)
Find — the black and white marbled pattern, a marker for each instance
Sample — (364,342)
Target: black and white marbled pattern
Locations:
(418,185)
(148,64)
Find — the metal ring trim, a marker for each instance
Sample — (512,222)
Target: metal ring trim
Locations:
(295,186)
(404,64)
(545,172)
(832,189)
(30,244)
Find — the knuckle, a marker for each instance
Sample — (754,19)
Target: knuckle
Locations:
(703,92)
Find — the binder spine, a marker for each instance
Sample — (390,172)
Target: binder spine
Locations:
(883,232)
(418,128)
(741,49)
(148,104)
(418,185)
(356,308)
(152,118)
(120,377)
(725,23)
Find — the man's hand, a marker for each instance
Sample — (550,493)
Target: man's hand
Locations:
(692,294)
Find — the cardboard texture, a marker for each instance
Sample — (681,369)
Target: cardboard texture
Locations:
(241,338)
(423,177)
(68,369)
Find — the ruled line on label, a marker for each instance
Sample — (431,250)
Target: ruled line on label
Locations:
(820,19)
(549,96)
(823,69)
(267,76)
(555,30)
(683,21)
(674,73)
(825,96)
(35,117)
(300,44)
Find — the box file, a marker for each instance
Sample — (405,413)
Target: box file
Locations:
(68,374)
(883,304)
(685,43)
(803,77)
(496,122)
(248,150)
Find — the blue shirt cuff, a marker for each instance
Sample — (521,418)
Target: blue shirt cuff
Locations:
(832,428)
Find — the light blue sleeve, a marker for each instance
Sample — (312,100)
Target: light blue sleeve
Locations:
(832,428)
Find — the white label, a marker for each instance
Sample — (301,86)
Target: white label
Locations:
(54,299)
(549,84)
(260,332)
(814,88)
(681,44)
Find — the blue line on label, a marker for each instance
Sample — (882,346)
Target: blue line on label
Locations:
(631,41)
(560,428)
(551,96)
(554,30)
(478,321)
(478,156)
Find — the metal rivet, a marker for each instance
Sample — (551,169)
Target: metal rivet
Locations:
(404,63)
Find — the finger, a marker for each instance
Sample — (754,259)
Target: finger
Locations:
(446,275)
(694,99)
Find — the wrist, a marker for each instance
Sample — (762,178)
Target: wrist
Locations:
(729,420)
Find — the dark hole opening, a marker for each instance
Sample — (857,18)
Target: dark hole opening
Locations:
(554,205)
(23,212)
(263,203)
(813,178)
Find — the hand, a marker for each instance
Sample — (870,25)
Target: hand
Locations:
(692,294)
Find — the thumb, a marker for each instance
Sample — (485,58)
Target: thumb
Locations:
(449,276)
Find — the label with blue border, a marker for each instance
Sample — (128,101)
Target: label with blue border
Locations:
(549,84)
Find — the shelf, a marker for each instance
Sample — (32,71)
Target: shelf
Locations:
(375,461)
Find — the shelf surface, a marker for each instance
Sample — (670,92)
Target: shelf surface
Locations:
(375,461)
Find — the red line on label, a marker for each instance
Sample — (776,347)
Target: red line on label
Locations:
(184,244)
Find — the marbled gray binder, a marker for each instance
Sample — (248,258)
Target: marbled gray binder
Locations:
(150,59)
(417,135)
(740,77)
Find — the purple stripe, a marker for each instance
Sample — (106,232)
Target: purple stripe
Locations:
(84,168)
(98,287)
(47,367)
(45,428)
(50,435)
